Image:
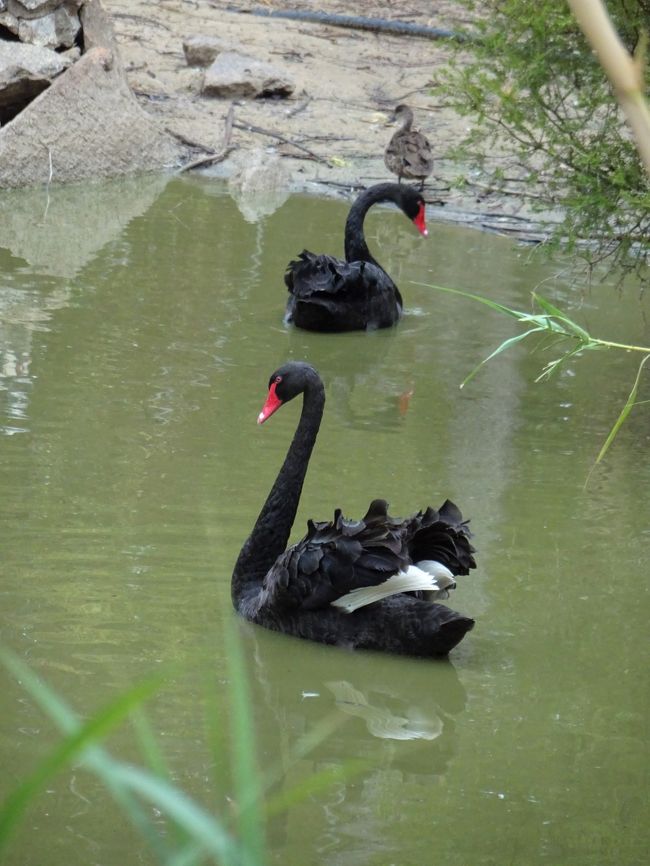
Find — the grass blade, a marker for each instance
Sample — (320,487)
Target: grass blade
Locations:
(312,785)
(625,411)
(248,785)
(505,345)
(500,308)
(201,826)
(575,329)
(77,741)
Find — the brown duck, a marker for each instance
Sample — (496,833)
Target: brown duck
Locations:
(408,153)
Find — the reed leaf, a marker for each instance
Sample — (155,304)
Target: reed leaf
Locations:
(248,784)
(573,328)
(625,411)
(505,345)
(75,745)
(203,828)
(553,321)
(500,308)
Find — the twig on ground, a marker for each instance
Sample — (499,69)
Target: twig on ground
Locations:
(300,107)
(248,127)
(503,190)
(350,185)
(189,141)
(141,19)
(210,159)
(213,156)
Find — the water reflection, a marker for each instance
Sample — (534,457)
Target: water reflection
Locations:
(259,184)
(371,391)
(56,232)
(398,716)
(139,380)
(22,312)
(59,230)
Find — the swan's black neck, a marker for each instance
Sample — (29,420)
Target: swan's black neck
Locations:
(273,526)
(356,249)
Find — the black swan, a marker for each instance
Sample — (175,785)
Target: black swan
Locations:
(364,584)
(328,294)
(408,153)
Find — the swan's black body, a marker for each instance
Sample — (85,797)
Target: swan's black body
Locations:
(328,294)
(292,590)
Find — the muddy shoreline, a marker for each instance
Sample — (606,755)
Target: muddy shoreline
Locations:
(331,133)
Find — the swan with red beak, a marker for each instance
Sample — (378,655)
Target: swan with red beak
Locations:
(355,293)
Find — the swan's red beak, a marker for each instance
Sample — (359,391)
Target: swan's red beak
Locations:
(272,404)
(420,224)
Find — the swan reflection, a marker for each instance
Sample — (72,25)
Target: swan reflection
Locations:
(380,720)
(321,709)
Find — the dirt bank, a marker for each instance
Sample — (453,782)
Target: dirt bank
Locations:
(331,132)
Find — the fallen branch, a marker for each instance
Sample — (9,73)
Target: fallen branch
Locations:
(189,141)
(210,159)
(213,156)
(248,127)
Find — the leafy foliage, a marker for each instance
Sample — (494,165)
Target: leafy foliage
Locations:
(192,835)
(537,94)
(556,330)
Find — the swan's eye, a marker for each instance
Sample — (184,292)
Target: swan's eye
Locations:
(278,379)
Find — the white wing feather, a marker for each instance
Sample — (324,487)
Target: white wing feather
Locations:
(428,576)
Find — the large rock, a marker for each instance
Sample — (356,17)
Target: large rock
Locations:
(50,23)
(87,124)
(204,50)
(55,29)
(233,74)
(25,71)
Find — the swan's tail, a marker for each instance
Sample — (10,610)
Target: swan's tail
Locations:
(442,536)
(450,633)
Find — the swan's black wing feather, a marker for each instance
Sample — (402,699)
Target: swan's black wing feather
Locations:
(339,556)
(444,536)
(329,294)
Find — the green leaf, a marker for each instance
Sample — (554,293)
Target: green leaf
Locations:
(76,743)
(505,345)
(500,308)
(202,827)
(557,314)
(625,411)
(552,366)
(312,785)
(248,786)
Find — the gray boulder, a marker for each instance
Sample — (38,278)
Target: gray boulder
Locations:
(203,50)
(25,71)
(87,123)
(235,75)
(55,29)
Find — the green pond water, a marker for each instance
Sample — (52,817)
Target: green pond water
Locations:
(139,323)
